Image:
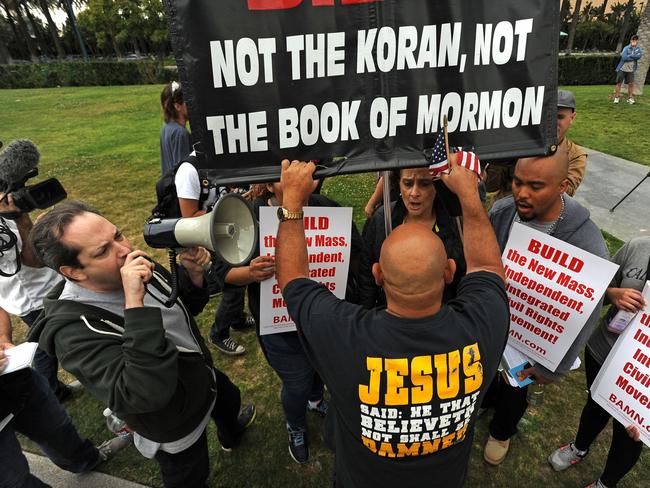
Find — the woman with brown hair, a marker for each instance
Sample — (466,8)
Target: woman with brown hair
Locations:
(420,203)
(175,140)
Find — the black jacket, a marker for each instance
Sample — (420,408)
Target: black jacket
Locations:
(374,235)
(128,363)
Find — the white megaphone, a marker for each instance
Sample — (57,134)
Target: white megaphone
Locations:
(230,230)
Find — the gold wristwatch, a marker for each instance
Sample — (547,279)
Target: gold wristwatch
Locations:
(284,214)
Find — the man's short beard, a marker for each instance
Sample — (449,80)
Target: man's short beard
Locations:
(525,219)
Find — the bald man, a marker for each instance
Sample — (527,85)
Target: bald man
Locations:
(538,201)
(405,381)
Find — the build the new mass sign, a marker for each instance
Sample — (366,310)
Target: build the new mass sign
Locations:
(363,85)
(553,288)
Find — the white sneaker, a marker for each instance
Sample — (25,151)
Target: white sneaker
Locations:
(631,101)
(565,457)
(615,99)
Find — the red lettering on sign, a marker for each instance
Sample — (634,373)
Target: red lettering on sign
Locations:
(555,255)
(286,4)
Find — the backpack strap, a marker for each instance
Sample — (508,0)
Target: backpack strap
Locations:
(205,182)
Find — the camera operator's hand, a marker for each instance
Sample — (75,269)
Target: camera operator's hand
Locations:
(195,260)
(7,203)
(262,268)
(136,272)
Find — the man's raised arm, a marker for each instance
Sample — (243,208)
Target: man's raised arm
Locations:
(291,260)
(479,242)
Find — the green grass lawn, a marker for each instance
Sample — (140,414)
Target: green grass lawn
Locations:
(102,143)
(620,130)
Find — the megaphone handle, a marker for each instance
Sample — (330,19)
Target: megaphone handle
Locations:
(173,268)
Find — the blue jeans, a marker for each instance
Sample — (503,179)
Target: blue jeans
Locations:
(45,364)
(42,419)
(230,311)
(300,382)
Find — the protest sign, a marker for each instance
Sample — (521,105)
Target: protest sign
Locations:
(553,287)
(622,386)
(327,232)
(363,85)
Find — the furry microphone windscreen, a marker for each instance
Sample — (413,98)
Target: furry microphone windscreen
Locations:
(16,160)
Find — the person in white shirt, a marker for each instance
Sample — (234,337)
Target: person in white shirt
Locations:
(24,282)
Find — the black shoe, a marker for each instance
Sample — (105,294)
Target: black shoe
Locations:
(246,417)
(67,392)
(298,447)
(246,323)
(228,346)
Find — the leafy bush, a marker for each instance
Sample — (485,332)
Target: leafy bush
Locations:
(572,70)
(83,73)
(587,69)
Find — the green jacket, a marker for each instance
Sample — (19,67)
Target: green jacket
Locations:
(128,364)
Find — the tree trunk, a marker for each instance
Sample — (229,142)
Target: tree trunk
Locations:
(572,29)
(5,55)
(60,52)
(116,47)
(564,10)
(644,62)
(19,45)
(626,23)
(603,9)
(24,33)
(40,45)
(67,5)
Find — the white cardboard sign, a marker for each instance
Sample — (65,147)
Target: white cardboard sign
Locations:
(553,287)
(327,232)
(622,386)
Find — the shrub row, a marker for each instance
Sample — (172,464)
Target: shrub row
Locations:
(573,70)
(587,70)
(83,73)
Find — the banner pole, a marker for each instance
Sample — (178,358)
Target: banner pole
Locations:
(388,222)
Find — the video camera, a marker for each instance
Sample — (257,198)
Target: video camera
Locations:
(18,163)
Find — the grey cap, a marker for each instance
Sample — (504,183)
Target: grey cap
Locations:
(566,99)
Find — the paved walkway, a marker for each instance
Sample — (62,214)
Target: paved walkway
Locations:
(606,181)
(58,478)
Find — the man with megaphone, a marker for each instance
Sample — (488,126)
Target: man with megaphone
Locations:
(109,325)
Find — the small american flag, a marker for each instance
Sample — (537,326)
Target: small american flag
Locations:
(439,164)
(470,161)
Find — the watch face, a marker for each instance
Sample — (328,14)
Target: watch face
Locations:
(280,213)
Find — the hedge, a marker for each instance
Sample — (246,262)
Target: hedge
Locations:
(573,70)
(587,69)
(83,73)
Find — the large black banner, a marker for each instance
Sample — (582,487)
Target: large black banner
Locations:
(363,85)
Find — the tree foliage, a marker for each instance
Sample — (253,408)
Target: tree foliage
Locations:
(599,28)
(121,27)
(107,28)
(116,27)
